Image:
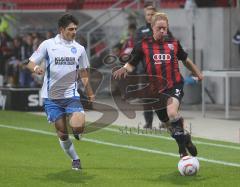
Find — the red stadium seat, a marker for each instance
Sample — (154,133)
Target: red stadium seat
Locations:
(45,4)
(97,4)
(73,4)
(172,3)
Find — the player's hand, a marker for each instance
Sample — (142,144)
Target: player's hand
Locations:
(38,70)
(119,73)
(91,98)
(200,77)
(197,77)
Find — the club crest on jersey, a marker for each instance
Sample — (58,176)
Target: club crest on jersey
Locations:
(177,92)
(74,50)
(171,46)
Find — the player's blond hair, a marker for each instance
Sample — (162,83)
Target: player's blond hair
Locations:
(159,16)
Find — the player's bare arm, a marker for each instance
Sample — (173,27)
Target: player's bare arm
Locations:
(84,75)
(33,67)
(193,68)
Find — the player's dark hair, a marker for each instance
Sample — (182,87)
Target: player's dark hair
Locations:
(66,19)
(147,4)
(150,7)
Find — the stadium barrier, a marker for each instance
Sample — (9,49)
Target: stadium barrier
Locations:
(21,99)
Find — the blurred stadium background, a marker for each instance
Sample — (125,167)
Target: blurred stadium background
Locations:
(207,29)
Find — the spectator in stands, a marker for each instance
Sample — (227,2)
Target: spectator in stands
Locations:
(37,80)
(13,54)
(5,50)
(36,40)
(49,34)
(66,61)
(161,56)
(14,62)
(4,25)
(25,75)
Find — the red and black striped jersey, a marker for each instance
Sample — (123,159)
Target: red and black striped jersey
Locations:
(161,59)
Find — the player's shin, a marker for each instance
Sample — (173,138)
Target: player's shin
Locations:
(68,148)
(192,149)
(177,132)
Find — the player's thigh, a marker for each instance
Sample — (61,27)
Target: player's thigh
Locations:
(53,109)
(56,115)
(172,107)
(175,96)
(75,112)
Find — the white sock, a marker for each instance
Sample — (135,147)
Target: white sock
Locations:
(68,148)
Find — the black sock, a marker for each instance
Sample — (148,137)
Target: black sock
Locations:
(177,133)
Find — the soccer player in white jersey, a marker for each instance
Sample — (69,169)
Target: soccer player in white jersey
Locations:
(66,62)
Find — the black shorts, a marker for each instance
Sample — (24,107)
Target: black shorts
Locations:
(176,92)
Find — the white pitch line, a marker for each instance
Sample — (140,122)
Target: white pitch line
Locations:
(121,146)
(171,139)
(158,152)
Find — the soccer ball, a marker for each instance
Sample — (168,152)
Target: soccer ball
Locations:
(188,166)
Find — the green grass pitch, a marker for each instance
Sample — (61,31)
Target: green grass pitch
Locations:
(30,155)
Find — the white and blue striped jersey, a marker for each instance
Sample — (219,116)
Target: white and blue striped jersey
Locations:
(63,60)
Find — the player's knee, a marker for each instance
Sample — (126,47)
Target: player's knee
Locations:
(172,110)
(78,130)
(172,113)
(77,120)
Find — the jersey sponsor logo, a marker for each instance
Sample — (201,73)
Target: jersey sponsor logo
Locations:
(161,57)
(65,60)
(74,50)
(171,46)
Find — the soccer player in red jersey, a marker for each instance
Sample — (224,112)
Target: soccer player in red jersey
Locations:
(161,54)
